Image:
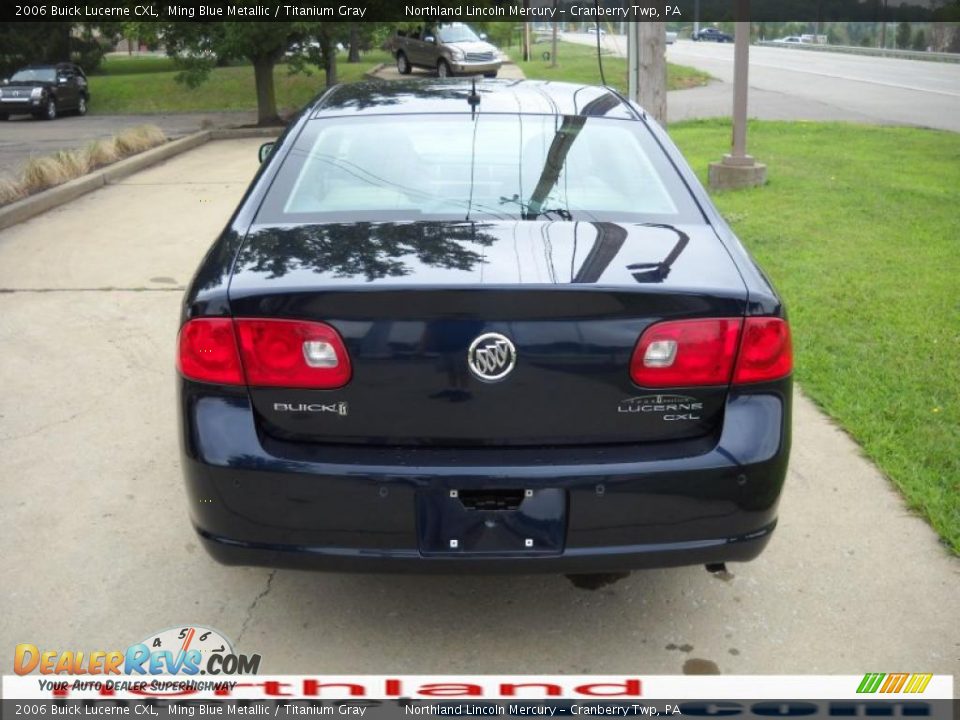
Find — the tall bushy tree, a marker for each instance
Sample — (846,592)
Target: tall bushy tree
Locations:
(920,40)
(197,47)
(904,33)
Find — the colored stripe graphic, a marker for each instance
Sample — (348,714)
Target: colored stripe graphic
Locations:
(870,682)
(894,682)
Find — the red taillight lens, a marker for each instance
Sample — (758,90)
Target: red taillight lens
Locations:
(208,352)
(682,353)
(765,351)
(679,353)
(292,353)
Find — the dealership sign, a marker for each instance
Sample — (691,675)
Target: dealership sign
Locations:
(595,688)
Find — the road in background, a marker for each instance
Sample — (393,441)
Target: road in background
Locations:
(98,550)
(791,84)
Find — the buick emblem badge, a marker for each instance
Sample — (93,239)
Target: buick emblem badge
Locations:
(491,357)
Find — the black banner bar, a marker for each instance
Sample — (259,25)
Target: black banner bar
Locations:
(480,10)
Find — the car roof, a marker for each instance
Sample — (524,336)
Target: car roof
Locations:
(532,97)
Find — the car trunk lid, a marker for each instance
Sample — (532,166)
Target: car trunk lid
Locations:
(409,300)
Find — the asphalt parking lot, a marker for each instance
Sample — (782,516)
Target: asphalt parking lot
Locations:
(97,550)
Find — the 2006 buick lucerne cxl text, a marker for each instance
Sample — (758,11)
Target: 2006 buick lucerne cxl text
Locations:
(493,326)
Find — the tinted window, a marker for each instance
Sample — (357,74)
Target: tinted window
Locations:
(453,167)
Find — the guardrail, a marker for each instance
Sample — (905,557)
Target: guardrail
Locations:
(876,52)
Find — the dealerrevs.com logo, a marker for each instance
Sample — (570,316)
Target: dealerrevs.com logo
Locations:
(190,650)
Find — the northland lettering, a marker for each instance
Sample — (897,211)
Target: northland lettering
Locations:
(397,688)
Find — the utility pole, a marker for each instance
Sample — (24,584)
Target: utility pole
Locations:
(553,48)
(737,169)
(647,67)
(526,31)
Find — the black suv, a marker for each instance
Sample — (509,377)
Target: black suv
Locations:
(712,33)
(45,91)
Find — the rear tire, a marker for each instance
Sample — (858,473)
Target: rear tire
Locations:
(443,69)
(490,74)
(403,65)
(82,105)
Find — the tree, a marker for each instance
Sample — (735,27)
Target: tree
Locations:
(23,43)
(363,36)
(904,33)
(920,40)
(328,52)
(197,48)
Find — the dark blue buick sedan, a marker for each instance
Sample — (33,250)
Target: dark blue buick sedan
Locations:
(466,326)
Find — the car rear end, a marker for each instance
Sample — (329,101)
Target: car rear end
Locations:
(412,367)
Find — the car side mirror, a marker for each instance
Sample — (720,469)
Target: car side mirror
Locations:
(430,39)
(483,36)
(265,150)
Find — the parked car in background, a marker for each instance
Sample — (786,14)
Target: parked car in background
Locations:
(793,39)
(45,91)
(492,326)
(450,49)
(671,37)
(712,33)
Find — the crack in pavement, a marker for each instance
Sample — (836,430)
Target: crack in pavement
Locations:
(253,606)
(40,429)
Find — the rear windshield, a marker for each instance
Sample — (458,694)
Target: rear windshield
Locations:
(495,167)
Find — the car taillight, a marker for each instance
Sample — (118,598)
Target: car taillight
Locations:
(712,351)
(208,352)
(292,353)
(686,352)
(260,352)
(765,351)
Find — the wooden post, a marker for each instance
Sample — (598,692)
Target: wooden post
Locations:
(553,49)
(647,67)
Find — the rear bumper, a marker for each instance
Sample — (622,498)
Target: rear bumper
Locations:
(258,501)
(572,560)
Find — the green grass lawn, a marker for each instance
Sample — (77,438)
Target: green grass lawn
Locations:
(147,85)
(578,64)
(859,228)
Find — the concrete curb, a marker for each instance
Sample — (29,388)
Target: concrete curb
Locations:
(241,133)
(372,72)
(39,203)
